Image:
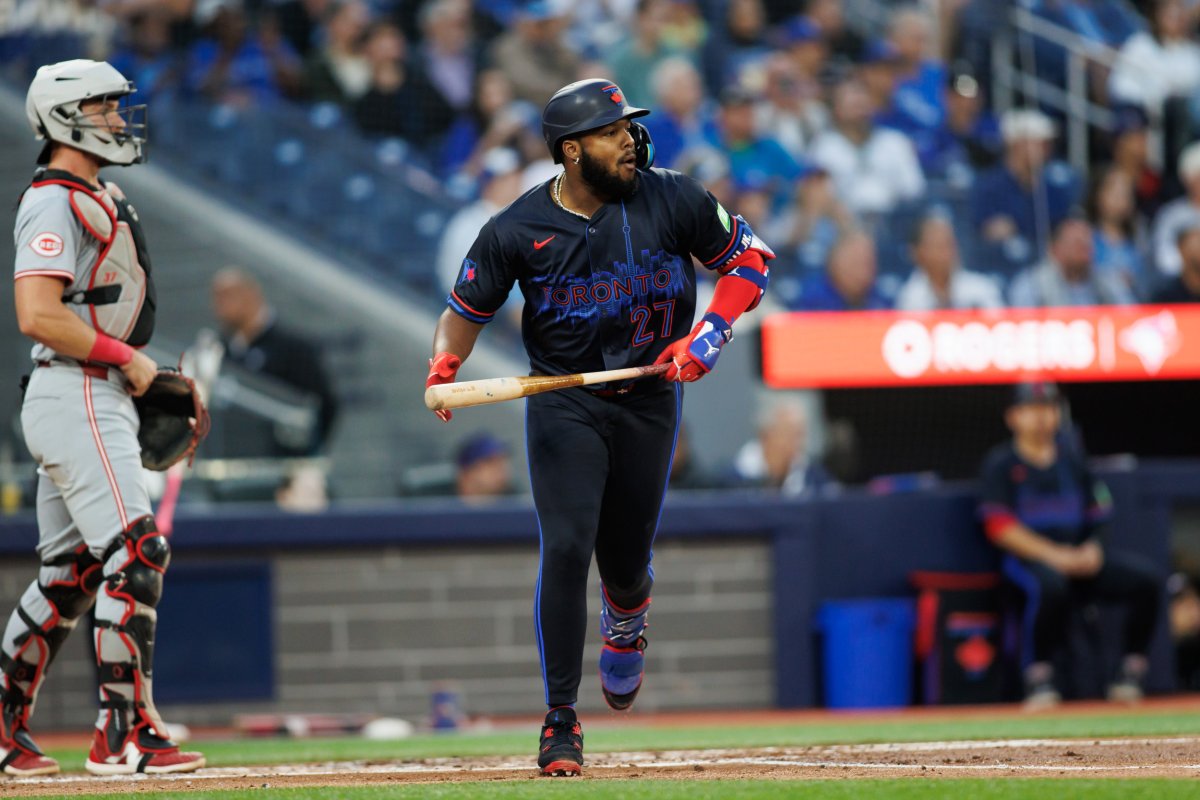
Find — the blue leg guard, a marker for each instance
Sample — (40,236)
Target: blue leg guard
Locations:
(622,661)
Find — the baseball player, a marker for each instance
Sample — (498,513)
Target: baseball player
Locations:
(602,254)
(1042,506)
(84,295)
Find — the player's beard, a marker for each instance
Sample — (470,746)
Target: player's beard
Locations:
(608,186)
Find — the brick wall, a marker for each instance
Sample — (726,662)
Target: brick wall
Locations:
(377,630)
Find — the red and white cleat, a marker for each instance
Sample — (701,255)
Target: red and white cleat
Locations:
(142,751)
(22,763)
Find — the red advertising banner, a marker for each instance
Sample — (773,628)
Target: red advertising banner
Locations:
(891,348)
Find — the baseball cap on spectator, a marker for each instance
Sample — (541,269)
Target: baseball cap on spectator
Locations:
(205,11)
(1128,118)
(1035,392)
(499,161)
(1189,162)
(479,447)
(736,96)
(1019,124)
(799,29)
(962,81)
(879,51)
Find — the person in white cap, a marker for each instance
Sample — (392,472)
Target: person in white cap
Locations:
(1179,214)
(1019,201)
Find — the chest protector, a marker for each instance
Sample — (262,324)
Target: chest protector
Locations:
(117,290)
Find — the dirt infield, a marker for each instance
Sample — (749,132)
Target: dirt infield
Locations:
(1175,757)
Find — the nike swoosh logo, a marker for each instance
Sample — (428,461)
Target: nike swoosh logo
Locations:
(539,245)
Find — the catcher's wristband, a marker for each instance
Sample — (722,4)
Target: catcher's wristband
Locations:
(108,350)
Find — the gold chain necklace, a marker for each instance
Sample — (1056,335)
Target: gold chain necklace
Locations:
(558,197)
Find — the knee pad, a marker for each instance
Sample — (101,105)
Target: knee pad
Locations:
(44,618)
(134,564)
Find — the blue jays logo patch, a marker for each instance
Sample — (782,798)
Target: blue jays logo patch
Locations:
(467,272)
(614,93)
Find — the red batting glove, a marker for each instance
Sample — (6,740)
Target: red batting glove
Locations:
(694,356)
(442,369)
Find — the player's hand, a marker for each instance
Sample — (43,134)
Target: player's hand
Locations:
(694,356)
(140,372)
(1089,558)
(442,369)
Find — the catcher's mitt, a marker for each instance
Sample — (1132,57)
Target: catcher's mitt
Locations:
(174,420)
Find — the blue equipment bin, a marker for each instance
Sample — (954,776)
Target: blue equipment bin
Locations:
(868,652)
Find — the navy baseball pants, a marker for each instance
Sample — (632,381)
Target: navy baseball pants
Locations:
(1125,578)
(599,467)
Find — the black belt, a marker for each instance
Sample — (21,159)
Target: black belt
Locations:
(92,368)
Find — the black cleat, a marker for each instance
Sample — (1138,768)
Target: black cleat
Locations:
(560,747)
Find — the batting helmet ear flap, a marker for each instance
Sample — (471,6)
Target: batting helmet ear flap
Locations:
(643,145)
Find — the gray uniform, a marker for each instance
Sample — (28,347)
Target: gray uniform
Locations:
(98,543)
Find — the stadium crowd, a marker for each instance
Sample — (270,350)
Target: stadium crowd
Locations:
(867,154)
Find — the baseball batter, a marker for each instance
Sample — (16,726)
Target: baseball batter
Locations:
(603,256)
(85,296)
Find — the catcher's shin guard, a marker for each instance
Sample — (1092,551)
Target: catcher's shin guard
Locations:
(44,617)
(622,662)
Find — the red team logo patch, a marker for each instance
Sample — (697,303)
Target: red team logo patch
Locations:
(48,245)
(613,93)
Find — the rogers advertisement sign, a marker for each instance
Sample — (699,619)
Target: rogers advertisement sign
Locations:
(885,348)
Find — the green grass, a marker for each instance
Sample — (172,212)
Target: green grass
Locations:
(634,737)
(1015,789)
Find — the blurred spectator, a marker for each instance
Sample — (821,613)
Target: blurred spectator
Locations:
(969,137)
(495,119)
(845,45)
(255,341)
(777,458)
(736,48)
(1111,208)
(235,65)
(533,53)
(757,163)
(939,280)
(793,106)
(848,283)
(299,21)
(1043,507)
(1021,200)
(807,229)
(686,473)
(400,101)
(1131,154)
(500,184)
(682,117)
(879,72)
(874,169)
(1067,275)
(1181,213)
(1160,63)
(1184,287)
(1098,24)
(67,28)
(483,469)
(147,57)
(338,71)
(685,28)
(304,491)
(447,51)
(635,57)
(918,106)
(1183,613)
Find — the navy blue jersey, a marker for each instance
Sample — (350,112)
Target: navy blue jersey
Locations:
(1063,502)
(606,292)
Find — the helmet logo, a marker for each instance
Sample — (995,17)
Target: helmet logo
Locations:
(614,93)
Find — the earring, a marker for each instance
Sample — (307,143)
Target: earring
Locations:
(577,161)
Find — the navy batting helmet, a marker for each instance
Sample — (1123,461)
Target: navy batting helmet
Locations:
(583,106)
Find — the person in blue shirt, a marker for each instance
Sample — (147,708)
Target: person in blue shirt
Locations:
(1018,202)
(147,57)
(1042,506)
(848,282)
(969,137)
(233,64)
(918,107)
(686,119)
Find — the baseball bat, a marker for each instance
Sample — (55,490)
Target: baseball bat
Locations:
(496,390)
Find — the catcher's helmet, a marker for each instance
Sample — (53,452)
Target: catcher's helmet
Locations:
(52,107)
(583,106)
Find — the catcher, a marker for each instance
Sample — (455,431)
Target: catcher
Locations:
(84,294)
